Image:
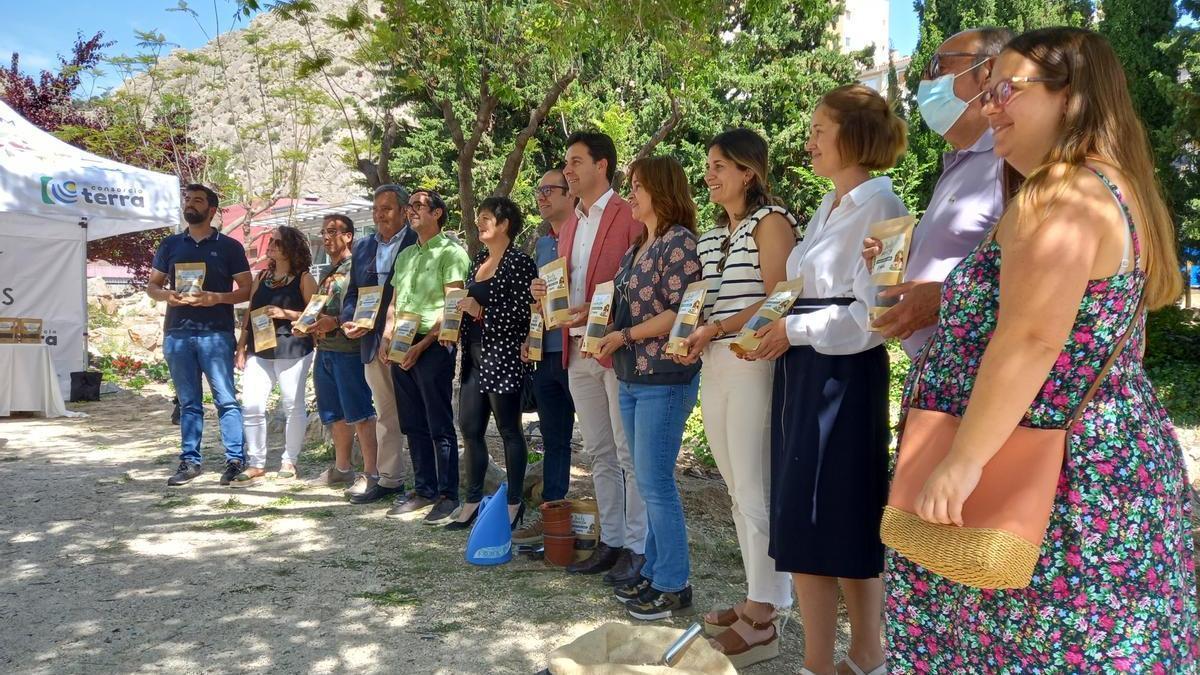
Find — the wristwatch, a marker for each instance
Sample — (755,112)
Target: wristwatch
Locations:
(720,328)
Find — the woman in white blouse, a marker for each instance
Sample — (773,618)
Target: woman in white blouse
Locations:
(829,421)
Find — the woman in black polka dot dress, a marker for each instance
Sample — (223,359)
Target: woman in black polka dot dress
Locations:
(495,325)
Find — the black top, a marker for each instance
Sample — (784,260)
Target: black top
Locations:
(472,328)
(287,296)
(505,300)
(223,258)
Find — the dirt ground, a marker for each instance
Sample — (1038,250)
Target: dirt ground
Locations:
(105,569)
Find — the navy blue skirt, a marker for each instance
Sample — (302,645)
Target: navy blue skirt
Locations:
(829,462)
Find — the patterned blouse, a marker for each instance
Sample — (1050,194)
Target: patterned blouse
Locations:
(645,289)
(505,300)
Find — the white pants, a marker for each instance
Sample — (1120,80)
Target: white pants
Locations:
(258,379)
(622,511)
(735,400)
(395,466)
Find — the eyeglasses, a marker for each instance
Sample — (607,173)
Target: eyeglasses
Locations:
(1001,93)
(273,242)
(547,190)
(933,69)
(418,206)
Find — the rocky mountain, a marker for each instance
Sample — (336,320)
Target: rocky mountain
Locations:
(274,131)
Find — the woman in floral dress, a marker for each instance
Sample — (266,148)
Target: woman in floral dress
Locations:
(1031,316)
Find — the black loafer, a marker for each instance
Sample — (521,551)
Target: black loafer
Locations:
(376,493)
(627,570)
(602,560)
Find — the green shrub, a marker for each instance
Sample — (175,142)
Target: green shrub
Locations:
(695,440)
(1173,362)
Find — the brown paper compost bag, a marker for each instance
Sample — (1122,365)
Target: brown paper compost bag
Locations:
(557,303)
(189,278)
(687,318)
(403,335)
(888,268)
(311,313)
(598,313)
(10,328)
(452,315)
(264,330)
(776,305)
(30,331)
(533,343)
(367,309)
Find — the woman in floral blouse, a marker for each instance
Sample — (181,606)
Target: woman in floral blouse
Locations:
(656,393)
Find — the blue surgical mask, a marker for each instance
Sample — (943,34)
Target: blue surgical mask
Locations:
(940,107)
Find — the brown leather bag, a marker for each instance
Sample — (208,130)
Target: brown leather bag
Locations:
(1005,518)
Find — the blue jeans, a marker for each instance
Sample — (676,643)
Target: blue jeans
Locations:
(190,353)
(654,417)
(342,391)
(423,401)
(556,420)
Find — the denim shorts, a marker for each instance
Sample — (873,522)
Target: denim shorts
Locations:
(342,391)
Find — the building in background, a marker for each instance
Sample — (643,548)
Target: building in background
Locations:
(863,24)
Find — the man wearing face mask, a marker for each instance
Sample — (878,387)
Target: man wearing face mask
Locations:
(970,194)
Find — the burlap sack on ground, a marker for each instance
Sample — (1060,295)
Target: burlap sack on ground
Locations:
(619,649)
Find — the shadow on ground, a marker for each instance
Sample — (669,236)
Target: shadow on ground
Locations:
(105,569)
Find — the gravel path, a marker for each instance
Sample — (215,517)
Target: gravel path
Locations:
(104,569)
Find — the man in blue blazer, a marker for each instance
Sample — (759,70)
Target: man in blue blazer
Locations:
(371,265)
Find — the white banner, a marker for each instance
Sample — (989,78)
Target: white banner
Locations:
(43,176)
(42,277)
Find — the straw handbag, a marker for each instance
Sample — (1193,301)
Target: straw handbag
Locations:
(1005,518)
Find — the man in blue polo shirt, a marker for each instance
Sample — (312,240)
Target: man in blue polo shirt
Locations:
(198,329)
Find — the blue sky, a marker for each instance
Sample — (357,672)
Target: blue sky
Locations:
(39,37)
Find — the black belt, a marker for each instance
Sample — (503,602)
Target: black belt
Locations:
(807,305)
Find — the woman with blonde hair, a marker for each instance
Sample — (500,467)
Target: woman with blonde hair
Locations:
(1027,324)
(829,420)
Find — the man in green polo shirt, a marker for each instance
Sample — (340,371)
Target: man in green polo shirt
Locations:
(424,377)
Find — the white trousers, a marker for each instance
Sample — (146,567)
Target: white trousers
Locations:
(395,466)
(622,511)
(735,400)
(260,376)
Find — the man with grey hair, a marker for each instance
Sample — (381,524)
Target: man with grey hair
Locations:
(371,265)
(970,194)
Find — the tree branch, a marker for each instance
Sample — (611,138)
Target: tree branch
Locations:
(659,136)
(512,163)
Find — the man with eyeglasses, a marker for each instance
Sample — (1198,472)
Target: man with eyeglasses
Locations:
(372,263)
(555,408)
(425,374)
(971,192)
(343,395)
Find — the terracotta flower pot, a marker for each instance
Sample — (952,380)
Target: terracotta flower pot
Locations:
(560,550)
(556,518)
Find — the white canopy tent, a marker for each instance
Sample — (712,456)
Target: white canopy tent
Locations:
(54,198)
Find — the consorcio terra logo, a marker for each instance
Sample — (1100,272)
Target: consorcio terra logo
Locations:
(69,191)
(60,191)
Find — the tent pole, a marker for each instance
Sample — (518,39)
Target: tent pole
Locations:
(83,224)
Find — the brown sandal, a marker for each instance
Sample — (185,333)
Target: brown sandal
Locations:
(725,619)
(740,653)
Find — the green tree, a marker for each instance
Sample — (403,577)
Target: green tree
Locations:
(1182,93)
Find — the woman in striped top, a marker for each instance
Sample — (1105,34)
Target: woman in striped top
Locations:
(742,257)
